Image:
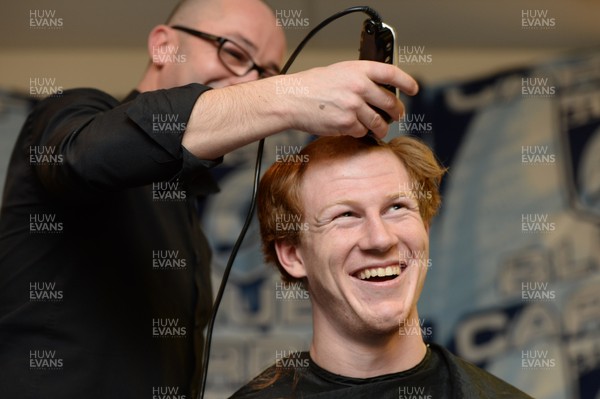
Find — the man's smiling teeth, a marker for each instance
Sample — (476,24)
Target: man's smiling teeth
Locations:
(379,272)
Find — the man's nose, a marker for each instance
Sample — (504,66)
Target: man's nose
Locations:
(377,235)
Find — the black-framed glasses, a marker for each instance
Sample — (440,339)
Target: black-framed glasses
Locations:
(232,55)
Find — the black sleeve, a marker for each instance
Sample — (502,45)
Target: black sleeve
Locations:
(103,145)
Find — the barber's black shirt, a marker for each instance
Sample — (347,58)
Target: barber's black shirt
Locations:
(104,271)
(440,375)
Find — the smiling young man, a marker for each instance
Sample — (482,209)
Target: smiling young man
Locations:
(87,307)
(362,254)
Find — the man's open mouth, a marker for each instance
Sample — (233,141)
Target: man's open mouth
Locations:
(377,274)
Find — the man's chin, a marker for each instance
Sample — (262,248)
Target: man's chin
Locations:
(383,331)
(387,324)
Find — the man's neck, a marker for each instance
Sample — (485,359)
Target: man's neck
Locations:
(367,356)
(146,84)
(149,81)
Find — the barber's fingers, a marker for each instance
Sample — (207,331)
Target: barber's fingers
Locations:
(370,120)
(385,100)
(387,74)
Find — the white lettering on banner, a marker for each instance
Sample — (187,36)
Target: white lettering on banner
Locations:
(532,322)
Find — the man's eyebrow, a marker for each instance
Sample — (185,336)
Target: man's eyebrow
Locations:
(318,217)
(339,202)
(398,195)
(389,197)
(350,202)
(239,38)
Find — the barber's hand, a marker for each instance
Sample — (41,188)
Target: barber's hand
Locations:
(335,100)
(329,101)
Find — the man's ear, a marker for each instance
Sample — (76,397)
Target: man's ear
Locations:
(160,40)
(290,258)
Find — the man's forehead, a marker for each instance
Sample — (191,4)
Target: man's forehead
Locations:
(249,23)
(378,156)
(354,168)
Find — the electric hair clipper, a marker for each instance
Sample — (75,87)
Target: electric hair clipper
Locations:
(378,43)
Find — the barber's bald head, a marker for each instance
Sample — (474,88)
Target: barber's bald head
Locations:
(188,12)
(191,12)
(251,24)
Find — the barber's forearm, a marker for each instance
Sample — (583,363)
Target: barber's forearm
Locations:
(326,101)
(226,119)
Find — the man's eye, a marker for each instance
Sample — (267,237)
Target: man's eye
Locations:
(267,73)
(237,55)
(344,215)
